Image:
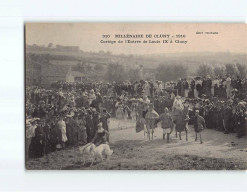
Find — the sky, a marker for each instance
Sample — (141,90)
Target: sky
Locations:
(88,36)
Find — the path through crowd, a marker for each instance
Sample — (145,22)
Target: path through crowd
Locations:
(219,151)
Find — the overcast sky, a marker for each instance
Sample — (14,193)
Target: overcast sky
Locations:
(230,37)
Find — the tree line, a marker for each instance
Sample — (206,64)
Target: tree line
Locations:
(227,69)
(118,73)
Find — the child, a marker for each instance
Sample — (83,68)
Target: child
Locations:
(166,123)
(199,125)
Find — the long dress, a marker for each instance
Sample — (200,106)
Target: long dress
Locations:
(228,87)
(36,148)
(147,90)
(82,137)
(62,128)
(177,107)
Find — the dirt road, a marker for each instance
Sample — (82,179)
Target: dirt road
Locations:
(133,151)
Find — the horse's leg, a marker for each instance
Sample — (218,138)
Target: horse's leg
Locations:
(119,124)
(196,137)
(168,137)
(186,131)
(148,133)
(172,128)
(152,134)
(180,136)
(144,131)
(201,137)
(176,134)
(164,134)
(92,161)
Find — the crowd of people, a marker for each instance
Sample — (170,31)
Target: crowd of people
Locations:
(72,114)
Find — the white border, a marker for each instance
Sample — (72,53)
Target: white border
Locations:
(13,14)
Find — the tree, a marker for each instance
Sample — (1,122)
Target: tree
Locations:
(115,72)
(242,69)
(134,74)
(204,70)
(170,72)
(232,70)
(50,45)
(219,71)
(79,67)
(88,67)
(99,67)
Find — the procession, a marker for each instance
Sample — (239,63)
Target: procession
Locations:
(125,96)
(78,115)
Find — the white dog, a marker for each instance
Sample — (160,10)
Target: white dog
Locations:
(87,151)
(103,150)
(94,152)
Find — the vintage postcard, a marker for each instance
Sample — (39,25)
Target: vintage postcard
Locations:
(136,96)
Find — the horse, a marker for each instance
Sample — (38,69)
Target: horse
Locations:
(151,120)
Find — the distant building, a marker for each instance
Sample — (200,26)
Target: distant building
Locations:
(74,76)
(51,48)
(53,73)
(67,48)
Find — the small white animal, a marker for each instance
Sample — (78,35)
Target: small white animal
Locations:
(87,151)
(93,152)
(103,150)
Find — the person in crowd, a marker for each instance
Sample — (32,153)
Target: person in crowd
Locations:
(166,123)
(36,148)
(228,87)
(72,131)
(89,125)
(217,100)
(186,88)
(62,128)
(227,117)
(30,133)
(179,87)
(82,133)
(199,125)
(104,118)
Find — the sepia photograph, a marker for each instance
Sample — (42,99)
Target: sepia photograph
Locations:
(135,96)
